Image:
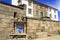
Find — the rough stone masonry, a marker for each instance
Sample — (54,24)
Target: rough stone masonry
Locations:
(34,28)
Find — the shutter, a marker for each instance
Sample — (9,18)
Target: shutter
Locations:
(41,14)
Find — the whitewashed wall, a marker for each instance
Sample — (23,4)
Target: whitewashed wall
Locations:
(52,13)
(15,2)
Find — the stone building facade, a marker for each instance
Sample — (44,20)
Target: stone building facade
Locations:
(44,27)
(9,16)
(14,24)
(42,10)
(28,3)
(39,10)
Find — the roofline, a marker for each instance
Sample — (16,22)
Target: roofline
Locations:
(33,1)
(12,5)
(45,5)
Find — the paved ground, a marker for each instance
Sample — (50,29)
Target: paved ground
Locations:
(57,37)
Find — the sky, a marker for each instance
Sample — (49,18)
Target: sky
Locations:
(52,3)
(6,1)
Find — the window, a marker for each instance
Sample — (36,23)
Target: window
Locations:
(39,6)
(30,3)
(19,1)
(15,14)
(44,9)
(20,27)
(44,14)
(36,12)
(29,11)
(55,16)
(54,11)
(50,15)
(50,9)
(41,14)
(36,6)
(25,0)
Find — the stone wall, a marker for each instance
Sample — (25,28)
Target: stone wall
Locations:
(42,26)
(6,26)
(40,8)
(7,19)
(35,28)
(9,10)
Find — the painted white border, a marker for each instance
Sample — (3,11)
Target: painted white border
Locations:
(52,13)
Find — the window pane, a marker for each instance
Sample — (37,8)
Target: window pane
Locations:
(36,6)
(19,1)
(44,15)
(29,11)
(36,12)
(50,15)
(55,16)
(30,2)
(20,28)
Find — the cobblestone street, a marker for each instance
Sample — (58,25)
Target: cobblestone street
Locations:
(57,37)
